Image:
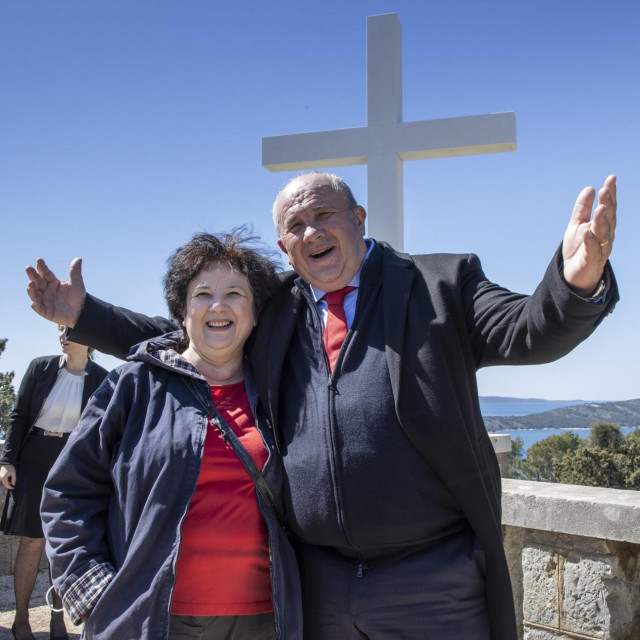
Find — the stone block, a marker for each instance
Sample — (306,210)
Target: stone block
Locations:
(585,587)
(540,576)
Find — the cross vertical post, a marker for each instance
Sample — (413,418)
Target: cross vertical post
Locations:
(384,109)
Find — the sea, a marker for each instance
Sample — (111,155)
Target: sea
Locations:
(497,406)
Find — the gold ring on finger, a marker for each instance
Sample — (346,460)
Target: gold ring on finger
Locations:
(602,244)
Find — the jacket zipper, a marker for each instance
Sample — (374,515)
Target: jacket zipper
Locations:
(330,390)
(184,514)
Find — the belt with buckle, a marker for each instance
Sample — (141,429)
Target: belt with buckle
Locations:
(37,431)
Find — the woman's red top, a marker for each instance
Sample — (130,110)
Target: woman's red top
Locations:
(223,565)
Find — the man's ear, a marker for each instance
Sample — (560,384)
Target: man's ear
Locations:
(360,215)
(282,247)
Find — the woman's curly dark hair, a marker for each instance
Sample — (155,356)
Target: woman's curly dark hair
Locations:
(240,249)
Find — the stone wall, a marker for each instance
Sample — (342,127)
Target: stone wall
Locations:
(574,555)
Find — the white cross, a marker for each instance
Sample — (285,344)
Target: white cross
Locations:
(386,141)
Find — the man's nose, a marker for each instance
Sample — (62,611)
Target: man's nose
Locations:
(313,232)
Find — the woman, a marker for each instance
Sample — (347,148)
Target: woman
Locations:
(53,392)
(154,525)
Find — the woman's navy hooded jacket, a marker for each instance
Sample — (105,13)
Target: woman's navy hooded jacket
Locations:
(116,497)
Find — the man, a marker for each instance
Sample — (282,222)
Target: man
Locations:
(393,488)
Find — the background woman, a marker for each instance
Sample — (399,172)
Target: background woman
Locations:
(53,392)
(155,527)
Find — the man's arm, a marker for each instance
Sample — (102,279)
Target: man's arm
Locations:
(114,330)
(509,328)
(98,324)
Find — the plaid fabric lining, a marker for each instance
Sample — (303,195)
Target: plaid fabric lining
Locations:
(174,359)
(86,590)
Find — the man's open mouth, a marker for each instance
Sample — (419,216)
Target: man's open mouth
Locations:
(323,253)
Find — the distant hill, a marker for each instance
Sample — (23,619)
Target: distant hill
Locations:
(626,413)
(509,400)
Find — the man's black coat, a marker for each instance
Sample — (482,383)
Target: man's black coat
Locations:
(443,320)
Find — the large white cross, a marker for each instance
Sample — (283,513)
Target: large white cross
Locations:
(386,141)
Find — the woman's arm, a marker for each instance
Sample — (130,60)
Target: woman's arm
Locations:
(75,504)
(19,420)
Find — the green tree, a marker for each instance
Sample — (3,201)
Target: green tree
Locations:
(606,459)
(7,394)
(630,461)
(606,436)
(541,456)
(515,457)
(610,460)
(633,436)
(591,467)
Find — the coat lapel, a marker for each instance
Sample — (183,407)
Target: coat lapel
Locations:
(397,278)
(279,340)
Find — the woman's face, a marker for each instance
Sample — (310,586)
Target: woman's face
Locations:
(68,347)
(219,313)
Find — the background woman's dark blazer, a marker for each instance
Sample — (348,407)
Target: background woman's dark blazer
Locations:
(36,385)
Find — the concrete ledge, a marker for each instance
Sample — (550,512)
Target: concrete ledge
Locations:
(501,442)
(502,447)
(608,514)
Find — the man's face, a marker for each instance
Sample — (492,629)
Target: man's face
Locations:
(321,236)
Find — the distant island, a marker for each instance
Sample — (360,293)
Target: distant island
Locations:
(582,415)
(508,400)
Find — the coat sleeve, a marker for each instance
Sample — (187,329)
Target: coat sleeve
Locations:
(511,328)
(75,504)
(114,330)
(19,420)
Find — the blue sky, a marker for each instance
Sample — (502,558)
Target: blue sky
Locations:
(127,125)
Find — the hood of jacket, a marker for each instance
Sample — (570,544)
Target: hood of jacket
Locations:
(162,351)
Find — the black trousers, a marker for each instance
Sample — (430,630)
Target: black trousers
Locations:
(254,627)
(438,594)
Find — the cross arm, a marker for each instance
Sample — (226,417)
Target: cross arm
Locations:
(333,148)
(468,135)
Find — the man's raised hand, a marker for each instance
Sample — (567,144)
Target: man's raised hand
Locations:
(56,300)
(588,241)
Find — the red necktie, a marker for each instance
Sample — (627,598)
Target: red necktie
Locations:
(336,329)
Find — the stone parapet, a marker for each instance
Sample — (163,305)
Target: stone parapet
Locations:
(573,555)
